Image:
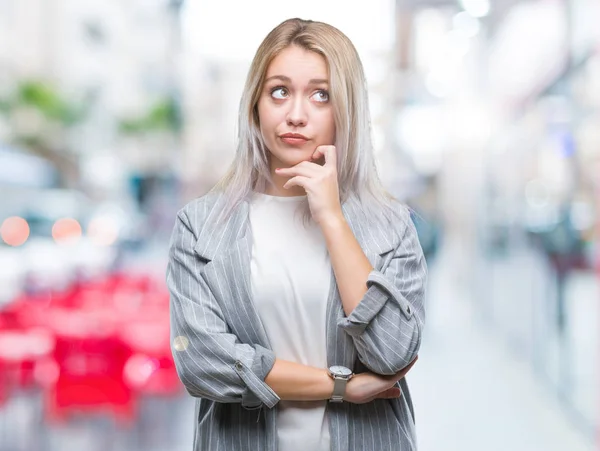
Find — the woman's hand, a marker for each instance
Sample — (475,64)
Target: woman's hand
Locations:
(319,182)
(366,387)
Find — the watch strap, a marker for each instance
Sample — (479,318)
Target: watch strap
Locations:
(339,389)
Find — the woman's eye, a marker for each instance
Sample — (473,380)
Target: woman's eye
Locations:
(279,93)
(321,96)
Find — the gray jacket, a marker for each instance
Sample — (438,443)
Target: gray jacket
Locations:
(222,351)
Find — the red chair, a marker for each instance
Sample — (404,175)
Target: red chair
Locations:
(90,360)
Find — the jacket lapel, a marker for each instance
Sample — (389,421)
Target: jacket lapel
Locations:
(228,249)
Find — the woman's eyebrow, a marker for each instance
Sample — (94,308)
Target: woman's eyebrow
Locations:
(314,81)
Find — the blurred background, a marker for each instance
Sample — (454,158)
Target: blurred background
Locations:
(485,116)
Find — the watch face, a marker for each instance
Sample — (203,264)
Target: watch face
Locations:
(340,371)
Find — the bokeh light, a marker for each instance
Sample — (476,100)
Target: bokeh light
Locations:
(103,231)
(66,230)
(181,343)
(14,231)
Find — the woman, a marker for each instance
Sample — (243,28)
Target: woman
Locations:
(297,334)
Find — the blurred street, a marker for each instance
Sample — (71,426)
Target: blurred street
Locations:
(473,391)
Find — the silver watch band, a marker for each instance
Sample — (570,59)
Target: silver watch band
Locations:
(339,389)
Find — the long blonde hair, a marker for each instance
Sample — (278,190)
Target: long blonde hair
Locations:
(357,172)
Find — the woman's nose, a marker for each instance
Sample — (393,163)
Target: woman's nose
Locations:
(297,115)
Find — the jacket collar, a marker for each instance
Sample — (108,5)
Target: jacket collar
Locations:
(216,238)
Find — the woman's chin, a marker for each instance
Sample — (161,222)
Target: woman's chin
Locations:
(290,160)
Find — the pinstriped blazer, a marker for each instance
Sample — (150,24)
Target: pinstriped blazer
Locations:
(222,352)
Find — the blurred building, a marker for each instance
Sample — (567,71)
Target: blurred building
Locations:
(498,105)
(212,89)
(117,59)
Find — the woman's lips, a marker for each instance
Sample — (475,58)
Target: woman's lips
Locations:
(292,141)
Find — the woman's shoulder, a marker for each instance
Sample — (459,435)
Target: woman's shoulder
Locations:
(391,214)
(199,210)
(399,209)
(397,219)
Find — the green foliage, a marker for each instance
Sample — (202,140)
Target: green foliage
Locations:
(45,99)
(162,116)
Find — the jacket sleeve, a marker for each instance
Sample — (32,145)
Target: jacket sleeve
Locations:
(210,360)
(387,324)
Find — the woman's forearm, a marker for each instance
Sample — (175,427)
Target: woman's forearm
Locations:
(296,382)
(350,264)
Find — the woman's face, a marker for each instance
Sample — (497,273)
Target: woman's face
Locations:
(294,109)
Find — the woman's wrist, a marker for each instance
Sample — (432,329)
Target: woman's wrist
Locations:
(296,382)
(328,385)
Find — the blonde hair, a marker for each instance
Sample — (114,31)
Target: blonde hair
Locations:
(357,172)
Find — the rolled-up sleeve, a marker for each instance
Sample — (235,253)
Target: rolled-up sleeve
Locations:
(387,324)
(210,360)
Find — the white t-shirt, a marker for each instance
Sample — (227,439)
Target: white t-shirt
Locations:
(290,276)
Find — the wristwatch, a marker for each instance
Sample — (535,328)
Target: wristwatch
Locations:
(340,375)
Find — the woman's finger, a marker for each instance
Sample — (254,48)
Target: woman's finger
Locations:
(390,393)
(319,159)
(328,153)
(298,180)
(304,168)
